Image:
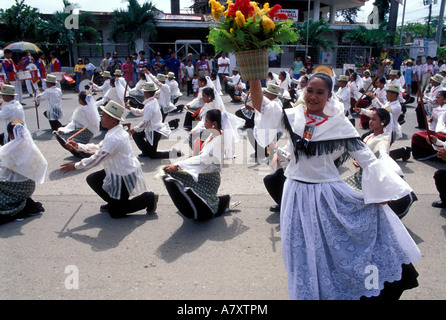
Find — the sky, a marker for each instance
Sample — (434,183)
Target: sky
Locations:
(415,10)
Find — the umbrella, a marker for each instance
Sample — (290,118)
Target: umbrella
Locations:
(23,47)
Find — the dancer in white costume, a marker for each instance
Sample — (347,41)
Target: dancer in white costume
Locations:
(332,236)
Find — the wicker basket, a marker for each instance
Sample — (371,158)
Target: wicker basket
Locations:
(253,64)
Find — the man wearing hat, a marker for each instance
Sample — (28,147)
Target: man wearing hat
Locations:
(164,93)
(122,176)
(343,93)
(148,133)
(175,92)
(119,78)
(157,64)
(10,109)
(105,86)
(53,95)
(232,83)
(443,74)
(429,97)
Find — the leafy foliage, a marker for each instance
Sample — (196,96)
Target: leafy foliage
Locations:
(316,31)
(21,23)
(369,37)
(134,22)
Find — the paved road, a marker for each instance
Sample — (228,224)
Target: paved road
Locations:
(165,256)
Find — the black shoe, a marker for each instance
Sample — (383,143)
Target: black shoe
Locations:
(438,204)
(143,155)
(407,153)
(152,208)
(275,208)
(104,208)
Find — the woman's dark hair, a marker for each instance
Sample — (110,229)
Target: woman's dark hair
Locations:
(202,79)
(355,76)
(209,92)
(383,115)
(214,115)
(382,80)
(83,96)
(10,127)
(443,93)
(283,74)
(325,77)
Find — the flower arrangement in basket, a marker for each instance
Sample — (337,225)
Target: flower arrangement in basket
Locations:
(249,31)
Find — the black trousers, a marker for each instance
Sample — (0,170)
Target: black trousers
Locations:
(420,117)
(123,206)
(274,184)
(148,149)
(440,183)
(189,87)
(249,123)
(188,119)
(54,124)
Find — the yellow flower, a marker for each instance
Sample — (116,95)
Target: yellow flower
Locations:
(217,9)
(267,23)
(231,30)
(239,18)
(265,9)
(256,8)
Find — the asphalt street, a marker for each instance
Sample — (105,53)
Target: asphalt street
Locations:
(74,252)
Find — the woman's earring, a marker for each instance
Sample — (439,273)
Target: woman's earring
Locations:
(382,123)
(213,127)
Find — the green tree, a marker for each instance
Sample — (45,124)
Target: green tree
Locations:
(56,31)
(134,22)
(377,38)
(348,15)
(317,30)
(21,23)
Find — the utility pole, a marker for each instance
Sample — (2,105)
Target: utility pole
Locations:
(440,23)
(393,17)
(429,20)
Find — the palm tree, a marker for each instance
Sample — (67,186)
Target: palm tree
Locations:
(316,31)
(133,23)
(56,31)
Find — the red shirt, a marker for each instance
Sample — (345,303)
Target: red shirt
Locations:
(55,65)
(10,69)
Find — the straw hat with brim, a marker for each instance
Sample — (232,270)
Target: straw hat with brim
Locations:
(8,90)
(236,69)
(394,72)
(437,78)
(443,68)
(393,88)
(273,89)
(50,78)
(367,71)
(106,74)
(161,77)
(343,78)
(149,86)
(118,72)
(171,75)
(303,70)
(114,109)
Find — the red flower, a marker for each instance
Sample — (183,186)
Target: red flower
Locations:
(281,16)
(246,8)
(273,11)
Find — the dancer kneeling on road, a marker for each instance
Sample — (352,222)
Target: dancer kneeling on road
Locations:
(122,175)
(193,183)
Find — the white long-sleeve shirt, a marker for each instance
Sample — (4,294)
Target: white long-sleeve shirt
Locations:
(9,111)
(120,164)
(54,97)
